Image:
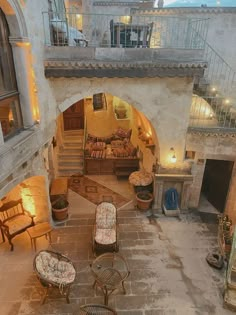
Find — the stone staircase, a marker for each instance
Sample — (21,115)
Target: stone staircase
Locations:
(71,154)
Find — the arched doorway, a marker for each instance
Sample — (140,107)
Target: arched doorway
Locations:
(73,117)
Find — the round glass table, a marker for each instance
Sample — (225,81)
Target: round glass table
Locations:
(110,270)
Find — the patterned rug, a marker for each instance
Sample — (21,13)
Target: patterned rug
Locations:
(95,192)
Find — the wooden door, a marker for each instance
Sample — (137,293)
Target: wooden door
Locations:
(74,116)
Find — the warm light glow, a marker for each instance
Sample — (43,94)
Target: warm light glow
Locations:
(227,101)
(10,116)
(125,19)
(213,89)
(28,200)
(173,158)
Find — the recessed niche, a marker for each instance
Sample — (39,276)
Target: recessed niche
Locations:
(190,155)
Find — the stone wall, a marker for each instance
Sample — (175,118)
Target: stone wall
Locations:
(210,146)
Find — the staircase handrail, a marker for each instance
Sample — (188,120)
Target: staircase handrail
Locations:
(227,85)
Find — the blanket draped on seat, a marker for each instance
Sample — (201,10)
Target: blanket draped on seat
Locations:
(171,199)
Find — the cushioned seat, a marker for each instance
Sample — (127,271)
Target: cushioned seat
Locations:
(105,236)
(14,219)
(54,270)
(105,228)
(17,224)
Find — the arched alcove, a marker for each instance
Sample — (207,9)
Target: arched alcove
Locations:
(164,101)
(15,18)
(34,194)
(103,122)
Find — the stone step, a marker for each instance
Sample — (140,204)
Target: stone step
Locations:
(70,163)
(74,132)
(68,173)
(70,145)
(73,157)
(71,150)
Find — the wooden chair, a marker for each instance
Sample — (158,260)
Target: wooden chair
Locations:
(92,309)
(14,219)
(105,232)
(54,271)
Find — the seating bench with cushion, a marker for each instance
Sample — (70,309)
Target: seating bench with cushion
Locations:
(14,219)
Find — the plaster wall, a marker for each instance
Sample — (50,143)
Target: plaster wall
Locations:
(230,207)
(103,123)
(165,102)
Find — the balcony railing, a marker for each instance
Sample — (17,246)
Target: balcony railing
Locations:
(106,30)
(217,108)
(212,112)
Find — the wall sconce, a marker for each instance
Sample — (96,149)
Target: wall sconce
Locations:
(173,158)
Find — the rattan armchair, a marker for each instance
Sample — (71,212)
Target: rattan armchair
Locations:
(95,309)
(110,270)
(54,270)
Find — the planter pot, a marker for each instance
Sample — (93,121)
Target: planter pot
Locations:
(144,200)
(60,213)
(143,188)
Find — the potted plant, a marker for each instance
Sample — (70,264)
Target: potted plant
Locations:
(60,209)
(144,200)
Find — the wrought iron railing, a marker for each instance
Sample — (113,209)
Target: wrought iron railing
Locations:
(212,112)
(106,30)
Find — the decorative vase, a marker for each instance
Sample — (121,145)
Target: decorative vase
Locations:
(144,200)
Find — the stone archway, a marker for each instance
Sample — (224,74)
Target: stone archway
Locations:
(15,18)
(104,122)
(165,101)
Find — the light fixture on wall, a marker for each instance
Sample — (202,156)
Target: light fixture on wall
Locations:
(173,158)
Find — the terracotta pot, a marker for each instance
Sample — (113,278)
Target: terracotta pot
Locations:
(144,200)
(61,213)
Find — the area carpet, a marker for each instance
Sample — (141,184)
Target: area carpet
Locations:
(95,192)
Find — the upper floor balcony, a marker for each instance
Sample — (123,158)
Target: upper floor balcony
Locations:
(127,39)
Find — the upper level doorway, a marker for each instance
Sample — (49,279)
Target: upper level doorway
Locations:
(73,117)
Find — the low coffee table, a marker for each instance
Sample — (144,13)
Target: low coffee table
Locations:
(39,230)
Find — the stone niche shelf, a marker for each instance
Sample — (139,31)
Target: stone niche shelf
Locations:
(163,182)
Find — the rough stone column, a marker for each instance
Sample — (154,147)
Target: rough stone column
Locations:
(23,67)
(158,195)
(230,207)
(1,136)
(185,196)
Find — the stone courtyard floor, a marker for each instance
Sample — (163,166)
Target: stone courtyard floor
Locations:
(166,257)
